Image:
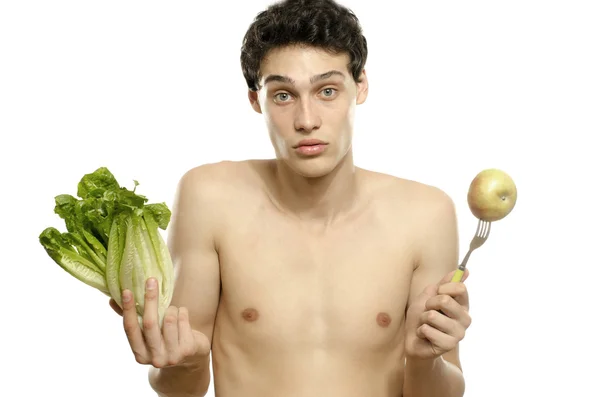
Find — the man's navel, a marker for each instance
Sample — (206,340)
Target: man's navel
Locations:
(384,320)
(250,314)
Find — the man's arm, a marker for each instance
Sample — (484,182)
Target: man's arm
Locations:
(191,243)
(441,376)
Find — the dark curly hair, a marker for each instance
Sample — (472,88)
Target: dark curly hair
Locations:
(323,24)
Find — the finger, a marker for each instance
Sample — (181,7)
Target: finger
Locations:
(201,343)
(443,324)
(438,339)
(115,306)
(449,307)
(458,291)
(186,337)
(171,334)
(151,328)
(132,327)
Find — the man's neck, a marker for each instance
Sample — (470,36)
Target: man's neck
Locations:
(322,200)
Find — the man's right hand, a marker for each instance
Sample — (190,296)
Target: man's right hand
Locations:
(177,344)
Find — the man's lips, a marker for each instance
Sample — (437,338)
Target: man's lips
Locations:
(309,142)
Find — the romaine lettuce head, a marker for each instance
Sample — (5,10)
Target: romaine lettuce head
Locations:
(112,240)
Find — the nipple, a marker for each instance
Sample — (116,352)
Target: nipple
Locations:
(383,319)
(250,314)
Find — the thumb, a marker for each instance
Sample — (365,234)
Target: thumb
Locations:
(448,277)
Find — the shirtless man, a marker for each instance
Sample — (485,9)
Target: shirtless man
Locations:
(305,275)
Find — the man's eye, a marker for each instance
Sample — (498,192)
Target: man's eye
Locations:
(329,92)
(282,97)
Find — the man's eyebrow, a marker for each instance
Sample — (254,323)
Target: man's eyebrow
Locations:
(277,77)
(327,75)
(314,79)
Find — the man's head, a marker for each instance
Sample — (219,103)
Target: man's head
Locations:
(303,61)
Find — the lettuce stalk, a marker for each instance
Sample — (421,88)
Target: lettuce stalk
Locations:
(112,241)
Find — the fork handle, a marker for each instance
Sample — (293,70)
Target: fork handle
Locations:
(458,274)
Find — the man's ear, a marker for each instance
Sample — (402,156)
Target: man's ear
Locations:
(362,88)
(253,98)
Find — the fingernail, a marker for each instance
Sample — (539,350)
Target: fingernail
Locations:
(151,283)
(126,297)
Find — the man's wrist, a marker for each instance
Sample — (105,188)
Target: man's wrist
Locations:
(198,363)
(432,377)
(428,368)
(424,364)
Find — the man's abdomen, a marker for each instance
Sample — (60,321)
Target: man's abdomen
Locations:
(264,371)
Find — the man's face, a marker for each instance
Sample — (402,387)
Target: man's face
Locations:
(308,94)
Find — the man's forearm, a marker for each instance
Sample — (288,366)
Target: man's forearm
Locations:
(181,381)
(432,378)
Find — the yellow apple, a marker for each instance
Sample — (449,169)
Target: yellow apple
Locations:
(492,195)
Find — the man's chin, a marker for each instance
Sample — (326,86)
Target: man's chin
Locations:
(315,167)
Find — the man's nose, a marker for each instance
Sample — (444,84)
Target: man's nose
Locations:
(307,117)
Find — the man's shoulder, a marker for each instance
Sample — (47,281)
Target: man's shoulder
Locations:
(223,183)
(407,193)
(216,171)
(222,174)
(425,211)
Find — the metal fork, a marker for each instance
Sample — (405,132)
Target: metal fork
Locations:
(481,235)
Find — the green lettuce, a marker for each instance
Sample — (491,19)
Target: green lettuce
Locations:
(112,240)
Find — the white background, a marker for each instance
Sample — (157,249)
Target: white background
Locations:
(151,89)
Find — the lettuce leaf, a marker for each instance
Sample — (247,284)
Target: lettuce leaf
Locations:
(59,248)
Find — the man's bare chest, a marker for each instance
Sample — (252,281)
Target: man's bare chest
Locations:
(305,290)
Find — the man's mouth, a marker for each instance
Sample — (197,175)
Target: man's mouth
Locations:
(309,142)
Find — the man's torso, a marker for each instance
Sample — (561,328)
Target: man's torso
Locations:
(309,310)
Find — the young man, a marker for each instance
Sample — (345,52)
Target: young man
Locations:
(306,275)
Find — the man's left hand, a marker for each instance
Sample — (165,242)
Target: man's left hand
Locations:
(438,319)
